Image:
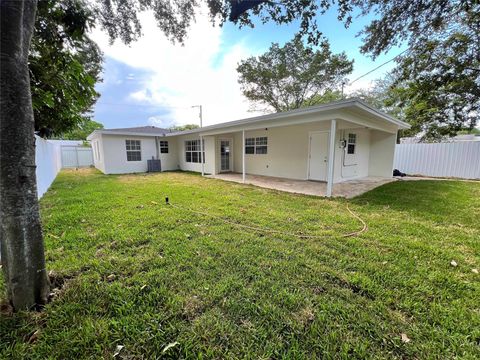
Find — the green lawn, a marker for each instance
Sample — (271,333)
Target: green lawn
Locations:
(221,291)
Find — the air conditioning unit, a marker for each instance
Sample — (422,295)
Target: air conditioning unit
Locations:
(154,165)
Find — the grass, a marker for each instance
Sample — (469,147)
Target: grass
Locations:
(214,290)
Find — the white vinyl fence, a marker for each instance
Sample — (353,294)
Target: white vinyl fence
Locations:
(53,155)
(456,159)
(76,156)
(49,163)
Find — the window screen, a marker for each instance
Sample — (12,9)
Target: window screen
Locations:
(250,146)
(257,145)
(351,144)
(193,151)
(163,147)
(134,151)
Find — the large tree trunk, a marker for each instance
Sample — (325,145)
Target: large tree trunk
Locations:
(21,239)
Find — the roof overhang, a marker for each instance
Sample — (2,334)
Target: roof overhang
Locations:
(122,133)
(299,116)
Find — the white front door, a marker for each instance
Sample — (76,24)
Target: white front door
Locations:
(225,155)
(318,158)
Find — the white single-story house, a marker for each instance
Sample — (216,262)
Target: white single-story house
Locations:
(332,143)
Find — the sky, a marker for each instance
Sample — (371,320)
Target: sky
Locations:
(155,82)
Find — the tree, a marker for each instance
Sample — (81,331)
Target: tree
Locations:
(325,98)
(21,239)
(438,80)
(383,96)
(184,127)
(85,128)
(64,65)
(292,76)
(23,259)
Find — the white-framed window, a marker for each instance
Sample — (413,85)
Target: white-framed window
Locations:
(193,151)
(250,146)
(258,145)
(352,144)
(163,147)
(134,150)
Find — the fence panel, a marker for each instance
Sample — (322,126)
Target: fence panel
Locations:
(76,156)
(48,161)
(456,159)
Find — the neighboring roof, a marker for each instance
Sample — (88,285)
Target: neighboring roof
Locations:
(336,105)
(140,130)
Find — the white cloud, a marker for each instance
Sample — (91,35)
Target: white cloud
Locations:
(161,121)
(202,71)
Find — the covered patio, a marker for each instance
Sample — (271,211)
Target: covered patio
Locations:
(346,189)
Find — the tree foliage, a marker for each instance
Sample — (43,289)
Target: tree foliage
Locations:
(82,130)
(292,76)
(64,65)
(437,82)
(184,127)
(119,18)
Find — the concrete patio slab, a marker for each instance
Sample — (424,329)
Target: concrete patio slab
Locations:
(347,189)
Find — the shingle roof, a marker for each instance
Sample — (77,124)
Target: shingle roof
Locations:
(150,130)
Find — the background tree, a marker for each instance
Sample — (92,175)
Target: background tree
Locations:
(82,130)
(292,76)
(437,82)
(383,96)
(326,97)
(184,127)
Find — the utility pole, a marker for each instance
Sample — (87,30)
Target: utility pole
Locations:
(200,113)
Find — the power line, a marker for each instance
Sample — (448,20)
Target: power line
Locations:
(378,67)
(143,105)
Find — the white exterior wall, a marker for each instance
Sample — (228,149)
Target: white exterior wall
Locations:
(209,154)
(113,154)
(169,161)
(98,153)
(288,152)
(358,167)
(382,152)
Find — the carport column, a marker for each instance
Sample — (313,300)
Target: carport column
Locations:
(331,157)
(202,149)
(243,156)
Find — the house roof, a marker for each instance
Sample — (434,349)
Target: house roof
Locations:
(346,104)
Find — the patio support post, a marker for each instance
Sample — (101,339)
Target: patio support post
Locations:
(201,155)
(331,157)
(243,156)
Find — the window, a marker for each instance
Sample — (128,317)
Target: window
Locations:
(193,151)
(351,143)
(250,146)
(261,145)
(256,145)
(134,151)
(163,147)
